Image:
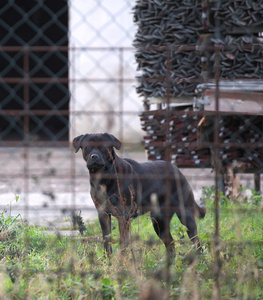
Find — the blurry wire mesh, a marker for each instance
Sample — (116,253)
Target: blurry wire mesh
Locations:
(201,79)
(68,68)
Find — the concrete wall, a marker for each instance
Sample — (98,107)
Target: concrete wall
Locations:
(100,102)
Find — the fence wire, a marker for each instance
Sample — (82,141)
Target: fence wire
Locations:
(179,81)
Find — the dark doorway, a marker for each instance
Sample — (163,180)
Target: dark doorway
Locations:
(34,94)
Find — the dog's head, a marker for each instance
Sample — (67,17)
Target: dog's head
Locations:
(97,150)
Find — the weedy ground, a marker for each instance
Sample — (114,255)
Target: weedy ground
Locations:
(38,265)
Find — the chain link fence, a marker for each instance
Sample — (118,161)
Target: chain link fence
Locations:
(173,80)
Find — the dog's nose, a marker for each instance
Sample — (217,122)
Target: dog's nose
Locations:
(94,156)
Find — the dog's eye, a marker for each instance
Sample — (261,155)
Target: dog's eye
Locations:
(87,150)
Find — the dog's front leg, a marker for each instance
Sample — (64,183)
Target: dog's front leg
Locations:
(124,227)
(105,223)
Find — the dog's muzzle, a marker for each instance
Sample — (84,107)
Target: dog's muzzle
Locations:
(94,163)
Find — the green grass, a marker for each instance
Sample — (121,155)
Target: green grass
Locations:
(37,265)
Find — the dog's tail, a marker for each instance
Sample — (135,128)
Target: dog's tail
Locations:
(200,210)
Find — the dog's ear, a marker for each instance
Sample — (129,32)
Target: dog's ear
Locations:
(77,142)
(113,141)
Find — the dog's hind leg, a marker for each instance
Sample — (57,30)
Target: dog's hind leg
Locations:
(105,223)
(161,225)
(189,221)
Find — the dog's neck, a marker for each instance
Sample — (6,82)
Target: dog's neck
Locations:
(107,176)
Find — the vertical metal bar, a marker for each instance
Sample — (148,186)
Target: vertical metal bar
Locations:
(73,124)
(257,181)
(216,159)
(121,104)
(167,157)
(168,82)
(26,128)
(217,178)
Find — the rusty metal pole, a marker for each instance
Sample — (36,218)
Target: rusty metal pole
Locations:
(74,133)
(26,128)
(167,154)
(257,182)
(121,105)
(217,162)
(217,180)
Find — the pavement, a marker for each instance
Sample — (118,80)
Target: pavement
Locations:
(45,185)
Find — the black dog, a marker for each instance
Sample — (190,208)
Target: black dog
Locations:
(124,188)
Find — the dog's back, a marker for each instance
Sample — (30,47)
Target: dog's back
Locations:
(161,177)
(166,181)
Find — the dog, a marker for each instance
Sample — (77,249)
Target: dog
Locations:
(125,189)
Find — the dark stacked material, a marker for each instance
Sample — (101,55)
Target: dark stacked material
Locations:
(163,26)
(172,135)
(242,140)
(183,138)
(242,58)
(153,122)
(166,40)
(239,16)
(235,26)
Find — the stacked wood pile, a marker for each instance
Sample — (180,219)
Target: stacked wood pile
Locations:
(163,127)
(242,139)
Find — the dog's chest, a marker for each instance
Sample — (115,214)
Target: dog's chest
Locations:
(118,204)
